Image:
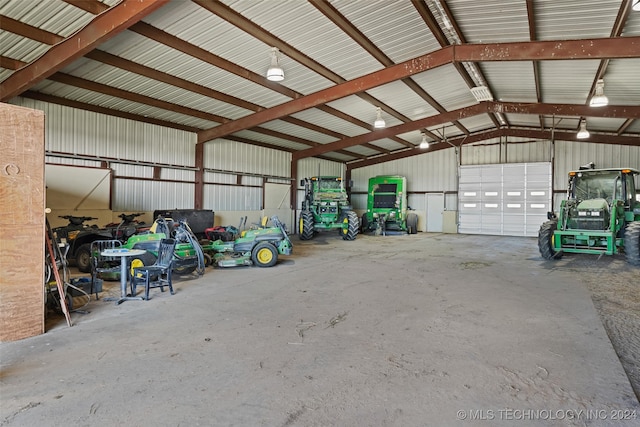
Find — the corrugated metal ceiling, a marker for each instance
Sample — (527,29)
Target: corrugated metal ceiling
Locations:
(196,65)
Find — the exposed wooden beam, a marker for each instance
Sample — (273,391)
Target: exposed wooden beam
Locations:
(622,47)
(102,28)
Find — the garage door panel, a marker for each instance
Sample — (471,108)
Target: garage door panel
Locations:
(512,199)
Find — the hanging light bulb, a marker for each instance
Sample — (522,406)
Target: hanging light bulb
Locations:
(275,73)
(379,123)
(424,144)
(599,99)
(583,132)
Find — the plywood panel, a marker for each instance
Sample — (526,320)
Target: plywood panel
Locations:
(21,222)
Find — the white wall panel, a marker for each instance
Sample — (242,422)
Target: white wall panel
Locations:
(79,132)
(436,171)
(71,130)
(230,155)
(313,167)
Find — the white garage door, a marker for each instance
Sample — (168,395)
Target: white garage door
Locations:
(506,199)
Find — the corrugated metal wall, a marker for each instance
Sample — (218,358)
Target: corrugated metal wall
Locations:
(437,171)
(83,133)
(431,172)
(78,132)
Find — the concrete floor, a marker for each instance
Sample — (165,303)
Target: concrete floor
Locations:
(420,330)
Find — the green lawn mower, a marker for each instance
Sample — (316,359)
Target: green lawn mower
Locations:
(258,246)
(188,255)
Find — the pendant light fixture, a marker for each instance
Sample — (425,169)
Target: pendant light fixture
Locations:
(599,99)
(583,133)
(424,144)
(379,123)
(275,73)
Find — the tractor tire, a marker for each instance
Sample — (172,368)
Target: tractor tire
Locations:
(183,271)
(306,225)
(412,223)
(545,240)
(632,243)
(264,254)
(83,258)
(208,260)
(353,225)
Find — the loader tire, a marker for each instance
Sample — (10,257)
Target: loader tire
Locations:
(545,240)
(632,243)
(306,225)
(353,225)
(412,223)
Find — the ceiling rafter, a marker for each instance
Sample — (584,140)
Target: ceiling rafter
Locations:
(228,14)
(348,28)
(25,30)
(618,27)
(187,48)
(39,96)
(115,61)
(90,6)
(484,135)
(125,64)
(623,47)
(483,108)
(460,35)
(147,100)
(102,28)
(533,35)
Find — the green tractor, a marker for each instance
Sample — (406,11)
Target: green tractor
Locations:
(256,246)
(600,216)
(326,207)
(387,208)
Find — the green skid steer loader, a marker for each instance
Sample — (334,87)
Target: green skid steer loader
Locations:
(600,216)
